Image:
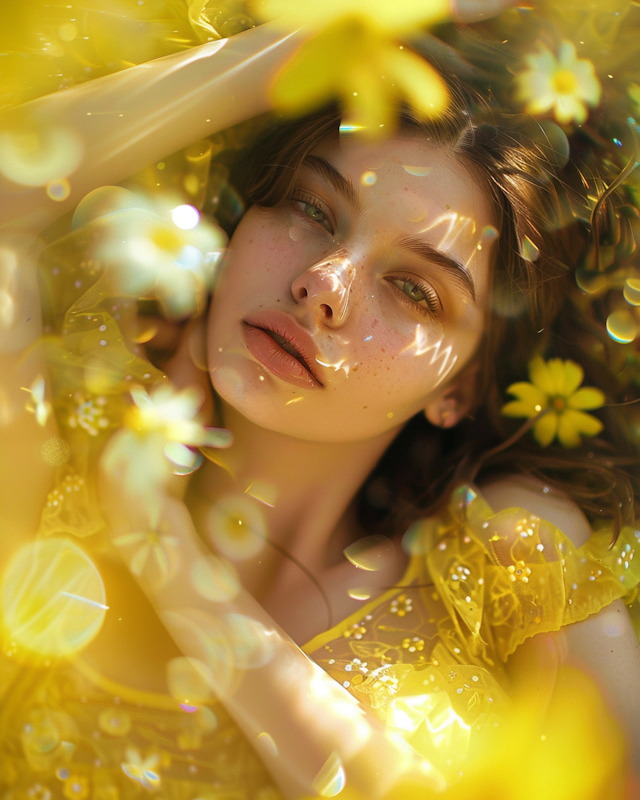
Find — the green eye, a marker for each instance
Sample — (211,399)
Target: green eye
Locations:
(425,298)
(315,213)
(411,290)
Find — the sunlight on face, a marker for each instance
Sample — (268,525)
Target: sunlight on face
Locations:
(348,308)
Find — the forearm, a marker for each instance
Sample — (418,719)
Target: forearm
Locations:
(266,683)
(25,475)
(122,122)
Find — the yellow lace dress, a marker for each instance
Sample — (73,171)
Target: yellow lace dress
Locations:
(428,655)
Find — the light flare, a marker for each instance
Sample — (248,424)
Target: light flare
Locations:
(421,346)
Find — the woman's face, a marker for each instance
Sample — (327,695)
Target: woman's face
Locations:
(351,306)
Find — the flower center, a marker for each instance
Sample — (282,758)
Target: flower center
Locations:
(167,239)
(559,403)
(564,82)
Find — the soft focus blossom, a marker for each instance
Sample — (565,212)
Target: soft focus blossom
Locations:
(554,386)
(142,770)
(149,544)
(354,55)
(565,85)
(159,430)
(153,248)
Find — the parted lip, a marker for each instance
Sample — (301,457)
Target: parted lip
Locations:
(298,337)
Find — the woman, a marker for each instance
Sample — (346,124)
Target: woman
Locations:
(353,298)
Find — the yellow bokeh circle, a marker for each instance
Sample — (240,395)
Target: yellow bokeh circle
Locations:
(52,599)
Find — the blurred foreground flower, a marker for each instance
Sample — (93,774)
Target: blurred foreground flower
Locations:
(554,385)
(566,84)
(154,248)
(571,749)
(354,55)
(149,543)
(160,428)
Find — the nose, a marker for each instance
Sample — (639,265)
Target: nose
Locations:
(326,288)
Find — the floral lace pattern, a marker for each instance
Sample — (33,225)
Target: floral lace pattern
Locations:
(426,656)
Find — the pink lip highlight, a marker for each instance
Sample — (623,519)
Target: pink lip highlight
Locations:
(273,356)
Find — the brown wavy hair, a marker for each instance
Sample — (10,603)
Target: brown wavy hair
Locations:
(533,312)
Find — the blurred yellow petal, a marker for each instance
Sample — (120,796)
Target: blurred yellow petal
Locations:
(418,82)
(556,367)
(371,107)
(541,376)
(316,72)
(573,423)
(545,428)
(568,434)
(393,17)
(573,377)
(587,397)
(529,394)
(518,408)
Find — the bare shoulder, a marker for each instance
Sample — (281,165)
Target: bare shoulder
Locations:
(523,491)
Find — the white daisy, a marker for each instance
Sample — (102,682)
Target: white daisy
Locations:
(566,84)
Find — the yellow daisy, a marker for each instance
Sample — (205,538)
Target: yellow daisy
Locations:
(354,55)
(554,386)
(565,84)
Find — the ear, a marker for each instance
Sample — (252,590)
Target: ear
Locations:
(454,401)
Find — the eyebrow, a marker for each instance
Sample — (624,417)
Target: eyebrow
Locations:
(341,184)
(431,254)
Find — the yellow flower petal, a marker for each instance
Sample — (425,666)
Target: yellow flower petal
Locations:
(317,70)
(419,83)
(568,433)
(557,370)
(541,376)
(587,397)
(545,428)
(584,424)
(371,107)
(573,377)
(519,408)
(529,394)
(393,17)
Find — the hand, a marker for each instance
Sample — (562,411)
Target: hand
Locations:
(179,349)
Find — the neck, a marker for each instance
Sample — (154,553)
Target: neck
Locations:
(303,488)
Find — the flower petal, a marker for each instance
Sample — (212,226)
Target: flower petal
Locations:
(315,73)
(421,84)
(573,424)
(529,394)
(568,433)
(518,408)
(573,377)
(586,424)
(587,397)
(139,560)
(162,560)
(541,376)
(570,109)
(557,370)
(545,428)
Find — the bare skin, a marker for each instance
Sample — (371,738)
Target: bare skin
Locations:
(316,531)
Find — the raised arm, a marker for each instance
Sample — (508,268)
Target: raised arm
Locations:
(119,123)
(310,732)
